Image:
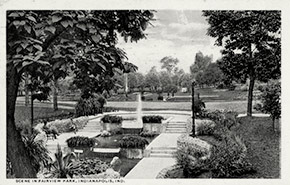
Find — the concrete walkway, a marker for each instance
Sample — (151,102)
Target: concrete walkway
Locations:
(160,153)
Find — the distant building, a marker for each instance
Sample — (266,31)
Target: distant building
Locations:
(184,89)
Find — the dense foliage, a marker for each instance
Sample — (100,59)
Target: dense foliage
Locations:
(226,157)
(152,119)
(112,119)
(133,141)
(90,106)
(251,42)
(80,141)
(90,166)
(270,99)
(40,43)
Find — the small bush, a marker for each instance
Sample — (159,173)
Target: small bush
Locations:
(225,118)
(66,125)
(190,154)
(80,141)
(152,119)
(112,119)
(204,127)
(148,134)
(133,141)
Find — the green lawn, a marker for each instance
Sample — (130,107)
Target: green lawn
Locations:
(263,146)
(23,113)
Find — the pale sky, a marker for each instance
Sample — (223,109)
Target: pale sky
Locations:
(177,33)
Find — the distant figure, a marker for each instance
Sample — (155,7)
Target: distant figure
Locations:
(74,126)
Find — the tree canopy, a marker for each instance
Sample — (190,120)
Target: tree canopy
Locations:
(251,43)
(44,42)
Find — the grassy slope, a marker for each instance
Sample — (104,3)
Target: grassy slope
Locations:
(263,146)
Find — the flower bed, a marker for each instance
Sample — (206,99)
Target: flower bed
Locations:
(112,119)
(80,141)
(152,119)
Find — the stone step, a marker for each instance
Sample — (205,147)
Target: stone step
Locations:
(162,151)
(174,131)
(160,155)
(177,129)
(176,126)
(164,148)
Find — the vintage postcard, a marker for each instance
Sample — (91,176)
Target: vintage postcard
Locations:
(144,92)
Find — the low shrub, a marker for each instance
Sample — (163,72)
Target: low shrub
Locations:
(226,118)
(228,158)
(66,125)
(112,119)
(204,127)
(147,133)
(90,167)
(133,141)
(190,154)
(80,141)
(152,119)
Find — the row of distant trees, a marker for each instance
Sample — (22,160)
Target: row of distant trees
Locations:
(169,80)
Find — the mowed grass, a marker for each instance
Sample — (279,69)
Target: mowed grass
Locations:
(263,146)
(238,106)
(23,113)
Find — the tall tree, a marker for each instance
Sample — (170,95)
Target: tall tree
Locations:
(152,79)
(169,63)
(251,42)
(200,63)
(87,38)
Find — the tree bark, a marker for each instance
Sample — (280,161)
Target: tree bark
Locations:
(26,90)
(250,96)
(252,82)
(55,94)
(16,151)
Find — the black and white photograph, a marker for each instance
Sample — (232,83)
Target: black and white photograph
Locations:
(100,94)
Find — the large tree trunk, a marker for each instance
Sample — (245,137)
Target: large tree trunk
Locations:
(26,90)
(16,151)
(250,96)
(55,94)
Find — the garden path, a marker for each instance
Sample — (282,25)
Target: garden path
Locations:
(160,152)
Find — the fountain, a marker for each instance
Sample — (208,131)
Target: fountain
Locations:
(134,126)
(139,111)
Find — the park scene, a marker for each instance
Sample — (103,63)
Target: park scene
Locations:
(143,94)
